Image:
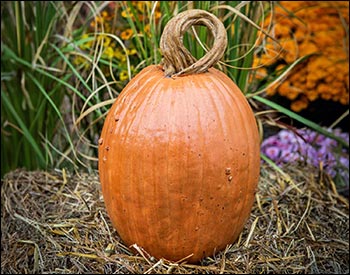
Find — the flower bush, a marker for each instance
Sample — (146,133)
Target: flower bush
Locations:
(303,28)
(310,147)
(113,21)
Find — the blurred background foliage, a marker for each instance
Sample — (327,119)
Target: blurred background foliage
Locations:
(64,63)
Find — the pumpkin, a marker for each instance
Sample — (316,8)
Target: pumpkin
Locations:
(179,152)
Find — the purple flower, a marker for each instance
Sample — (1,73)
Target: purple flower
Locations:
(289,156)
(272,152)
(272,140)
(308,146)
(287,136)
(344,161)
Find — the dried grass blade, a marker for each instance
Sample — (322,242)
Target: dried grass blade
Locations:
(246,244)
(305,212)
(90,256)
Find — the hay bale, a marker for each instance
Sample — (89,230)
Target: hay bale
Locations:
(54,222)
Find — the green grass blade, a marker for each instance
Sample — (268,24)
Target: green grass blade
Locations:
(44,93)
(27,64)
(76,73)
(301,119)
(28,136)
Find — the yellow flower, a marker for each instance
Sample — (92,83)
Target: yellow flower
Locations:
(142,5)
(106,40)
(300,35)
(308,48)
(282,30)
(290,50)
(261,73)
(109,52)
(106,16)
(102,20)
(131,51)
(88,44)
(78,60)
(120,55)
(125,35)
(267,60)
(123,75)
(280,67)
(127,13)
(326,96)
(147,29)
(293,93)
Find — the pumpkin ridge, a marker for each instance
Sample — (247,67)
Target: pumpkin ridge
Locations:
(224,95)
(202,164)
(247,204)
(129,93)
(152,95)
(239,112)
(174,117)
(168,134)
(217,101)
(139,92)
(193,120)
(167,88)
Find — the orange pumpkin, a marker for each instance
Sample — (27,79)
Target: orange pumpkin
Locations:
(179,160)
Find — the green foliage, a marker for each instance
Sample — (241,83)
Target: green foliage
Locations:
(64,63)
(28,118)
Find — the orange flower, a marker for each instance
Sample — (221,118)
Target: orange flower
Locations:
(284,88)
(312,95)
(303,28)
(271,90)
(299,105)
(157,14)
(345,99)
(126,35)
(307,48)
(282,30)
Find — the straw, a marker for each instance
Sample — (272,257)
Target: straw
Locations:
(56,222)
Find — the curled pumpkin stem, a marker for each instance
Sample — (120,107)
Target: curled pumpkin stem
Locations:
(177,60)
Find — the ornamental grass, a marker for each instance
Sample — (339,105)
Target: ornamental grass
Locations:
(57,87)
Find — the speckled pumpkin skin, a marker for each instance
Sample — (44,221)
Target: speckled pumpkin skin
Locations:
(179,163)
